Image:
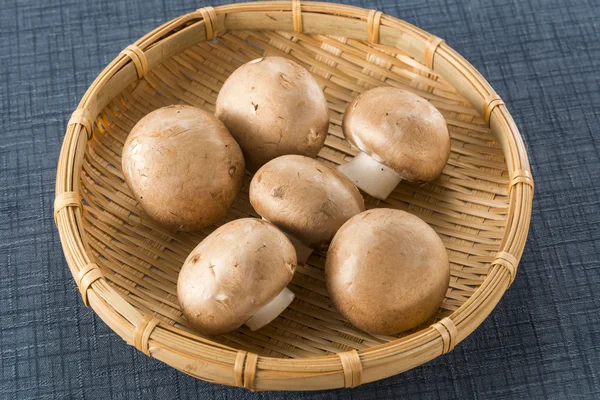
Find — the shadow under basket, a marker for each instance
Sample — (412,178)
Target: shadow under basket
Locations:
(126,267)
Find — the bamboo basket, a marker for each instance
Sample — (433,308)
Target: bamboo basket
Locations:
(126,267)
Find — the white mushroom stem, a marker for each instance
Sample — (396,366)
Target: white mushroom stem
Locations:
(371,176)
(302,251)
(271,310)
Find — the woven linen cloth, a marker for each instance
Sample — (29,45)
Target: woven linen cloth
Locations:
(541,342)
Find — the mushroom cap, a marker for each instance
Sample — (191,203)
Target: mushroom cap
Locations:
(305,198)
(234,272)
(183,167)
(273,106)
(401,130)
(387,271)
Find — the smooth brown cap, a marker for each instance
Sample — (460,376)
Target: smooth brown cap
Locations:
(387,271)
(401,130)
(273,106)
(305,198)
(183,167)
(234,272)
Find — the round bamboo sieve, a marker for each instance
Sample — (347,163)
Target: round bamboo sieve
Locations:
(126,267)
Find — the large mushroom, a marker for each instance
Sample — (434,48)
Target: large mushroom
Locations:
(307,200)
(183,167)
(237,275)
(273,106)
(387,271)
(401,136)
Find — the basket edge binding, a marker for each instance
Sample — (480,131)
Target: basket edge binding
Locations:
(225,365)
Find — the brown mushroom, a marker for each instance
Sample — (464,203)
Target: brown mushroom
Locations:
(237,275)
(183,167)
(387,271)
(401,136)
(306,199)
(272,106)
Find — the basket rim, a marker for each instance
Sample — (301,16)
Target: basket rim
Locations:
(231,366)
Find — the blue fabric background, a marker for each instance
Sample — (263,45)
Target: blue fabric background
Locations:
(541,342)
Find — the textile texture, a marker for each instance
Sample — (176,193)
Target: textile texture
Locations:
(541,341)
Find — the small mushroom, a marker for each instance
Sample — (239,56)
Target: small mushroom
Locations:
(237,275)
(307,200)
(387,271)
(272,106)
(183,167)
(401,136)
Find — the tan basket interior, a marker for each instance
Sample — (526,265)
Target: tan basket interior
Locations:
(467,205)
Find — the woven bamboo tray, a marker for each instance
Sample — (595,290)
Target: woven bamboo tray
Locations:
(126,267)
